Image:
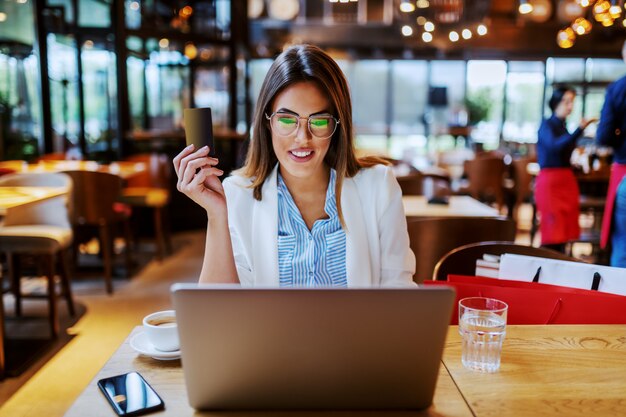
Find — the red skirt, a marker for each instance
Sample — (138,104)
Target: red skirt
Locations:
(618,171)
(557,197)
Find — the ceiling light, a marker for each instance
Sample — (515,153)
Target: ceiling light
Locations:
(565,38)
(607,21)
(429,26)
(407,30)
(481,30)
(422,4)
(525,7)
(467,34)
(453,36)
(601,7)
(421,20)
(407,6)
(581,26)
(427,37)
(190,51)
(615,11)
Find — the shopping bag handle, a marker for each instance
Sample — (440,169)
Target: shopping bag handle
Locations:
(596,281)
(555,311)
(536,277)
(595,284)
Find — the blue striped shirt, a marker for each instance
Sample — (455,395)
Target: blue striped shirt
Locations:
(310,258)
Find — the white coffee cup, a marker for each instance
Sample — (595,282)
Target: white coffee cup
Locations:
(162,330)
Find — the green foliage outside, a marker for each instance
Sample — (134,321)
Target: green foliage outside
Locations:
(478,104)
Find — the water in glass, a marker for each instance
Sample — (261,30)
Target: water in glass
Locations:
(482,333)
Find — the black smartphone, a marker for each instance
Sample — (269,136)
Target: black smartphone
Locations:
(130,395)
(199,128)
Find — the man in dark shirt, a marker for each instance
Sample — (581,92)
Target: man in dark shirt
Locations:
(612,132)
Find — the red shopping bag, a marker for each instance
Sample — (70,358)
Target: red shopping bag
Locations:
(536,303)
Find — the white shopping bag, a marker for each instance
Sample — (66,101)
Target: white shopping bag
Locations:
(563,273)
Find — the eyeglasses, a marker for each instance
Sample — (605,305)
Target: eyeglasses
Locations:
(321,126)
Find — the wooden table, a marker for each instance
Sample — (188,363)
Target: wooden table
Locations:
(459,206)
(546,371)
(123,169)
(166,377)
(11,197)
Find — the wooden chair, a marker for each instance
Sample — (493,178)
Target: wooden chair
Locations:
(41,230)
(151,189)
(411,184)
(412,181)
(431,238)
(485,177)
(462,260)
(96,204)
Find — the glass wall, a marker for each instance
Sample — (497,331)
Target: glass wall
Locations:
(20,109)
(589,77)
(500,100)
(525,83)
(95,104)
(100,96)
(64,94)
(485,100)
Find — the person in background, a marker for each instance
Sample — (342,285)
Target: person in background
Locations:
(618,241)
(556,189)
(303,210)
(612,132)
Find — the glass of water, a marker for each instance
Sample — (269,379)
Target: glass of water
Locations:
(482,325)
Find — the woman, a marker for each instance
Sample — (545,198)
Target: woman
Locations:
(556,189)
(303,211)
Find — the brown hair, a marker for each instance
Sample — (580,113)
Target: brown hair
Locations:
(305,63)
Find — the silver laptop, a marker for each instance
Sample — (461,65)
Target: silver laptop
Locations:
(304,349)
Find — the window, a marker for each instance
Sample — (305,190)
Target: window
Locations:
(63,74)
(20,111)
(524,101)
(485,98)
(409,91)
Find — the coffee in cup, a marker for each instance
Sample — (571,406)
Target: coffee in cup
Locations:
(162,330)
(163,321)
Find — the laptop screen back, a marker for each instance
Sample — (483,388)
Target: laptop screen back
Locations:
(311,348)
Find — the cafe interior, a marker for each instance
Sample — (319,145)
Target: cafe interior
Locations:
(450,93)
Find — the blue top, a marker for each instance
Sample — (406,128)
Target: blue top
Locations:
(612,126)
(555,144)
(310,258)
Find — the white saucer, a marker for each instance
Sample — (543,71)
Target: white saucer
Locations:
(141,344)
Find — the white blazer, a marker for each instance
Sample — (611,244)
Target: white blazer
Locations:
(377,241)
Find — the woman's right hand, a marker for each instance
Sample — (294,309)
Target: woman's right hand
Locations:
(586,122)
(198,180)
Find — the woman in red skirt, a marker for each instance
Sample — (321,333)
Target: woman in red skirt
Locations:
(556,189)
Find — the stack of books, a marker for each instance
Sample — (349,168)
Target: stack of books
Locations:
(488,266)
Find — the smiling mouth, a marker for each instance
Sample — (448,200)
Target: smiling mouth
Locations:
(301,154)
